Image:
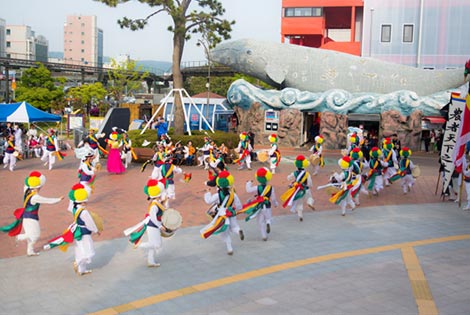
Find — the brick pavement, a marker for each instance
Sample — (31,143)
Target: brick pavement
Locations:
(120,199)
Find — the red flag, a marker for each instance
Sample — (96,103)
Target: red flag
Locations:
(463,136)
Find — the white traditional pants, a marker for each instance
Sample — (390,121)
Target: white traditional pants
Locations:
(84,251)
(225,236)
(9,160)
(153,244)
(31,234)
(49,157)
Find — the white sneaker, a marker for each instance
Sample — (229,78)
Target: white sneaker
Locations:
(153,265)
(467,207)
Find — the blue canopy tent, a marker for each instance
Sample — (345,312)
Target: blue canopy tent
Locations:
(24,113)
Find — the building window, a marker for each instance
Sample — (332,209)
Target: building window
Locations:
(408,33)
(386,34)
(8,31)
(83,33)
(83,24)
(83,51)
(291,12)
(8,44)
(83,42)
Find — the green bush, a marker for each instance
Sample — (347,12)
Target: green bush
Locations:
(197,137)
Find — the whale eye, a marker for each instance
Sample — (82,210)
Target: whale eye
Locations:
(249,52)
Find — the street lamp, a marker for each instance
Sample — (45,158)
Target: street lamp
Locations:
(205,45)
(371,30)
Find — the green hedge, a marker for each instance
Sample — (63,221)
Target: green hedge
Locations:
(197,137)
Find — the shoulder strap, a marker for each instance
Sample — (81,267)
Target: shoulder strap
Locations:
(28,198)
(77,213)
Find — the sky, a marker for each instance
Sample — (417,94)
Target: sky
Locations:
(257,19)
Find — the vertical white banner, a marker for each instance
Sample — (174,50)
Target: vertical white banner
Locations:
(456,109)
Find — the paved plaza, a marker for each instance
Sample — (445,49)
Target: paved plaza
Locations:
(395,254)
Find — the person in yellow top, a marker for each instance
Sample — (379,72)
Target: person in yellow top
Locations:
(114,164)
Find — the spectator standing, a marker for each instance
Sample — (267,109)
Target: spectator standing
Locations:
(432,140)
(427,141)
(18,132)
(162,127)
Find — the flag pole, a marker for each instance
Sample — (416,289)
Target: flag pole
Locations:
(437,184)
(460,189)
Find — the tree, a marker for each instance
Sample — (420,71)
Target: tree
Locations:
(220,85)
(125,78)
(206,21)
(88,94)
(38,88)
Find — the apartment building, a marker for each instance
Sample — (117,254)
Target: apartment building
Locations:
(83,41)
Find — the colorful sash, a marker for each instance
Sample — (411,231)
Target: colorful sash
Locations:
(220,222)
(252,208)
(297,190)
(73,232)
(134,156)
(136,232)
(316,148)
(373,173)
(244,154)
(15,227)
(99,146)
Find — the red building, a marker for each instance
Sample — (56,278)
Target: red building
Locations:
(327,24)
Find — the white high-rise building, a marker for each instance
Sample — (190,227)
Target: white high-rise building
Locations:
(2,38)
(20,42)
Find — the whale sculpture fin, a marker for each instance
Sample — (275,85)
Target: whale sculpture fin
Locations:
(275,73)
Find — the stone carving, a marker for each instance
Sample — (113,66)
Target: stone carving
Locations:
(253,120)
(408,128)
(290,121)
(334,129)
(243,94)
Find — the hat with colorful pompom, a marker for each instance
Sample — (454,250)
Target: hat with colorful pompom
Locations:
(263,175)
(243,136)
(154,188)
(224,179)
(35,180)
(301,161)
(319,139)
(405,152)
(356,154)
(272,138)
(388,144)
(78,194)
(344,162)
(114,135)
(354,138)
(375,152)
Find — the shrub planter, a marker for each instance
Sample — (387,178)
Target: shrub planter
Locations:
(143,154)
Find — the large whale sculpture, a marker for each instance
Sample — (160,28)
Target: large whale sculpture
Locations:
(318,70)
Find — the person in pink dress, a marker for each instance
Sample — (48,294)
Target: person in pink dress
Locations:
(114,164)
